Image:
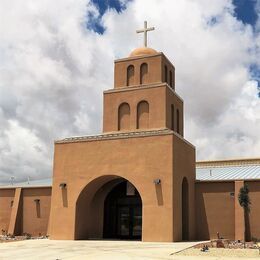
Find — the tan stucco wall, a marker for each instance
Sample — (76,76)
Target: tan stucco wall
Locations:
(173,99)
(139,160)
(215,210)
(154,96)
(25,216)
(254,215)
(183,166)
(155,64)
(135,159)
(160,98)
(6,198)
(35,216)
(239,213)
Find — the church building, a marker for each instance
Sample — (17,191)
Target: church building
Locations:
(138,179)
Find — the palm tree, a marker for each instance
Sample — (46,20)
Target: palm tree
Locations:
(245,202)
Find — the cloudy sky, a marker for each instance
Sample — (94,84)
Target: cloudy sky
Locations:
(56,58)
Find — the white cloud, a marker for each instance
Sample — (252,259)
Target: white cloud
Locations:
(53,71)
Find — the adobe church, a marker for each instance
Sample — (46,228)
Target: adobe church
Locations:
(138,179)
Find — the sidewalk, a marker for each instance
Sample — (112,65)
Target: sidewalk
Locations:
(96,250)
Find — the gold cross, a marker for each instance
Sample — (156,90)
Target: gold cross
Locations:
(145,30)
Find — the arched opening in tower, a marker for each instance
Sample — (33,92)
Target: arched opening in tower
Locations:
(109,207)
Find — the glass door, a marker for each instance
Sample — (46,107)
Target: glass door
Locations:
(137,222)
(123,221)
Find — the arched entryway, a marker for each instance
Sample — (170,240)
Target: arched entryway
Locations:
(185,209)
(109,207)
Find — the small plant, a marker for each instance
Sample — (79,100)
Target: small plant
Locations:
(255,240)
(27,235)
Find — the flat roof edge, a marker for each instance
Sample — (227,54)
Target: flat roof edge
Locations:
(25,187)
(226,180)
(115,135)
(228,162)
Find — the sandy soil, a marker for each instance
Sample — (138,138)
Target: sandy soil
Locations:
(221,252)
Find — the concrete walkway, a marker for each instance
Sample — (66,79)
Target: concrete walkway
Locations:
(78,250)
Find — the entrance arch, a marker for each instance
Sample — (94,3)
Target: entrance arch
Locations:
(109,207)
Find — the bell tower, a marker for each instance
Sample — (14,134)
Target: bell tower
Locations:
(143,97)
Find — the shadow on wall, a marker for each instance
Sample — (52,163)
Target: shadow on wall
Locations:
(201,218)
(64,197)
(159,195)
(38,208)
(248,235)
(254,195)
(215,210)
(185,209)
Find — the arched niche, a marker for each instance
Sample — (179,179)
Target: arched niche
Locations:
(144,73)
(123,117)
(142,115)
(130,75)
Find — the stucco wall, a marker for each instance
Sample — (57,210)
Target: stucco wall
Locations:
(254,215)
(139,160)
(6,198)
(26,215)
(154,96)
(215,210)
(35,215)
(155,73)
(183,166)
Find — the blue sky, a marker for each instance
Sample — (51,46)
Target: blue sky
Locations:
(244,11)
(103,5)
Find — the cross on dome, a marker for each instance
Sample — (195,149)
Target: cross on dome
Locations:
(145,30)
